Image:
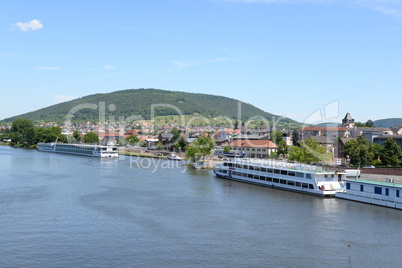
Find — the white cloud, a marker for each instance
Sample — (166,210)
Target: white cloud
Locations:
(62,98)
(29,26)
(48,68)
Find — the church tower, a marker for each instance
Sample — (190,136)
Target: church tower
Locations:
(348,121)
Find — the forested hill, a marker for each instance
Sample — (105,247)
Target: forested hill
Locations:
(137,102)
(390,122)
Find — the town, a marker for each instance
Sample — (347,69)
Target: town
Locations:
(259,142)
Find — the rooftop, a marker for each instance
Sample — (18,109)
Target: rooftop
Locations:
(380,183)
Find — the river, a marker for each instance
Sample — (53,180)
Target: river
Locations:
(72,211)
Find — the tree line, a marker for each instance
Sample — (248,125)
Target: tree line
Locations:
(24,134)
(362,153)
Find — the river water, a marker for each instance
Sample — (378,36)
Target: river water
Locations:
(71,211)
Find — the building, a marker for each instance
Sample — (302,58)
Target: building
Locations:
(339,149)
(383,138)
(348,121)
(253,148)
(370,132)
(330,132)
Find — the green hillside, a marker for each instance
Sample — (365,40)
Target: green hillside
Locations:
(137,102)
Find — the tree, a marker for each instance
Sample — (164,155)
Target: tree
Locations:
(133,139)
(359,151)
(236,124)
(52,134)
(296,137)
(76,135)
(176,136)
(192,153)
(370,123)
(226,149)
(377,150)
(201,147)
(283,149)
(310,151)
(392,153)
(160,146)
(205,145)
(183,143)
(276,136)
(22,133)
(91,137)
(143,143)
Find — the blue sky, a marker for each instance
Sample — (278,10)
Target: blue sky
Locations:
(287,57)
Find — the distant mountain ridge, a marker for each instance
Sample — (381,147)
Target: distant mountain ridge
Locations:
(389,122)
(137,102)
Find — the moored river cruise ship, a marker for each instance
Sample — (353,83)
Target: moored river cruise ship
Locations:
(295,177)
(386,194)
(80,149)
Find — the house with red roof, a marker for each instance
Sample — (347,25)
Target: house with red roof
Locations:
(253,148)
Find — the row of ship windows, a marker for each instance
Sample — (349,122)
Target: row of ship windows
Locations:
(275,180)
(76,150)
(270,170)
(377,190)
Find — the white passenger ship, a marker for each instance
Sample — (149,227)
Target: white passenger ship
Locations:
(79,149)
(387,194)
(277,174)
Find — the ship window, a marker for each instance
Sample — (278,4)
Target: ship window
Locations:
(291,183)
(332,176)
(257,168)
(245,167)
(325,176)
(275,180)
(387,191)
(225,164)
(251,168)
(269,179)
(298,184)
(224,171)
(304,185)
(292,173)
(230,165)
(308,176)
(299,174)
(348,185)
(250,176)
(262,178)
(310,186)
(397,193)
(269,170)
(361,188)
(256,177)
(277,171)
(377,190)
(263,169)
(284,172)
(282,181)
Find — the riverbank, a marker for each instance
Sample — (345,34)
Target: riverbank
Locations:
(122,152)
